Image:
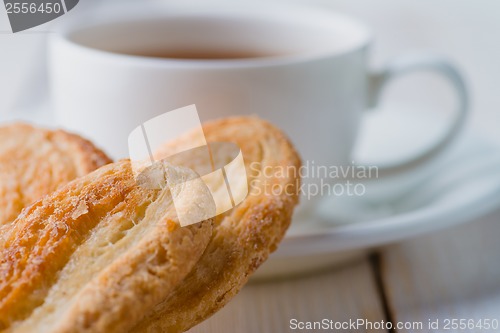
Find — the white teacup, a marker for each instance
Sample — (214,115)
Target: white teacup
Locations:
(304,69)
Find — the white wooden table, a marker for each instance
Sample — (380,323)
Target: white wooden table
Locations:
(452,274)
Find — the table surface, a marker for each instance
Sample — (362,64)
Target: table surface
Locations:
(452,274)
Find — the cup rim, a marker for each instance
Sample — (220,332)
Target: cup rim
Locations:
(134,13)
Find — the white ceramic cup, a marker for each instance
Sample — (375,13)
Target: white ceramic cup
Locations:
(311,79)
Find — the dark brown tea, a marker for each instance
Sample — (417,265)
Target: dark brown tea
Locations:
(199,54)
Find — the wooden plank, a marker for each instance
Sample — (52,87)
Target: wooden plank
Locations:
(453,274)
(340,295)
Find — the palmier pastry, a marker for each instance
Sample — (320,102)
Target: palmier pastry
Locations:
(106,253)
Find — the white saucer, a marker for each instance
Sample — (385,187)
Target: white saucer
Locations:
(458,187)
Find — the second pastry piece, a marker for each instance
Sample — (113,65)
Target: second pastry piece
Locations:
(95,255)
(36,161)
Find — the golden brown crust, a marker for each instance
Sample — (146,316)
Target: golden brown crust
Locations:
(102,254)
(35,162)
(95,255)
(243,238)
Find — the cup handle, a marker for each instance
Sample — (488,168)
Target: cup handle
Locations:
(407,64)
